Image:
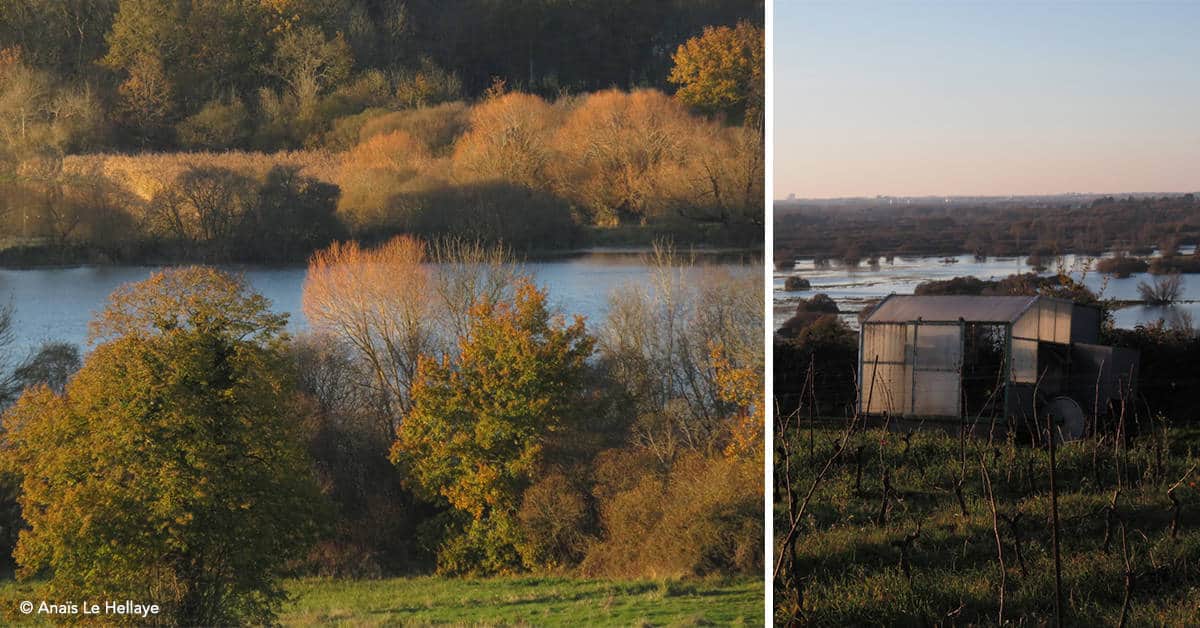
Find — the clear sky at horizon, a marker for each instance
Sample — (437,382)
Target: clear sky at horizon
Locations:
(924,98)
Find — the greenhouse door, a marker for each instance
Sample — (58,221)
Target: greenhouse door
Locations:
(936,359)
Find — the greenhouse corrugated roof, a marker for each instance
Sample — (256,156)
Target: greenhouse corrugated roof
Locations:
(940,308)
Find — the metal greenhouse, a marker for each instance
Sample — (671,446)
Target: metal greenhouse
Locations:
(965,357)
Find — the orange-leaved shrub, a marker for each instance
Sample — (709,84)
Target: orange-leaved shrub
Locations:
(701,516)
(508,140)
(625,156)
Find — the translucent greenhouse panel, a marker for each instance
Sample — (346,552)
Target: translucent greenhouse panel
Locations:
(935,393)
(1062,320)
(938,347)
(884,343)
(1046,322)
(1024,361)
(884,389)
(1027,325)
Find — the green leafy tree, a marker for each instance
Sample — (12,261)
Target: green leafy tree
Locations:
(484,423)
(170,471)
(721,71)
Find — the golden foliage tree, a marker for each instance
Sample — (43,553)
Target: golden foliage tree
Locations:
(401,300)
(170,470)
(509,140)
(722,71)
(623,154)
(481,422)
(742,388)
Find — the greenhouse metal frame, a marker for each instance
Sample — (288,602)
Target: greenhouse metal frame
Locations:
(913,350)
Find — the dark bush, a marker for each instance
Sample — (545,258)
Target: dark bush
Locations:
(796,283)
(1121,265)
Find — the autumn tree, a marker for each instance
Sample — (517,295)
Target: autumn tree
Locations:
(309,63)
(205,205)
(25,97)
(170,470)
(399,301)
(39,115)
(147,99)
(482,423)
(200,49)
(721,71)
(657,344)
(622,154)
(377,301)
(62,36)
(509,140)
(741,387)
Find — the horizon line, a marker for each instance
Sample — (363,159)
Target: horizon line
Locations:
(947,196)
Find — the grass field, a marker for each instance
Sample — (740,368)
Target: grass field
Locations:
(524,601)
(916,558)
(499,602)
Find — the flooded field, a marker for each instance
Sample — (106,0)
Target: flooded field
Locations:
(854,287)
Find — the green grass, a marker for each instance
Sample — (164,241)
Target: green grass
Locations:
(848,564)
(524,601)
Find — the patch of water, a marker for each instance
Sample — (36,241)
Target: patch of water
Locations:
(855,287)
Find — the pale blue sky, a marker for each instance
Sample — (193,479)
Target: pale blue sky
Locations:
(996,98)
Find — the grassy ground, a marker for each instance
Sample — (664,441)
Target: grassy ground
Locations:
(497,602)
(524,601)
(848,564)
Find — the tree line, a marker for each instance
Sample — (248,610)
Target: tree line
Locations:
(170,142)
(1133,225)
(440,415)
(152,65)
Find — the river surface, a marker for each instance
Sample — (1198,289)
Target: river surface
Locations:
(852,288)
(57,303)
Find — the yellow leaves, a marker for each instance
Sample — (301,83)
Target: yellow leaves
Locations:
(477,430)
(741,387)
(721,70)
(626,151)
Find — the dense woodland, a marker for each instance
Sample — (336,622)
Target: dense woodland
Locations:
(146,130)
(1132,225)
(438,418)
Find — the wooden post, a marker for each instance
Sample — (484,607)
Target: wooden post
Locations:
(1058,614)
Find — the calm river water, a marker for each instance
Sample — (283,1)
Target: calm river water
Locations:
(57,303)
(854,287)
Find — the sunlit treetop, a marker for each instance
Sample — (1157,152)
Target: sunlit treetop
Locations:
(721,71)
(192,297)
